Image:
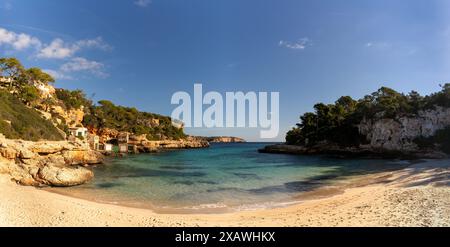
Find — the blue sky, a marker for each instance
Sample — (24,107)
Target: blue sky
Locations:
(138,52)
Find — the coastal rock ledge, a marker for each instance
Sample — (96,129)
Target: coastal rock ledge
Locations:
(349,152)
(47,163)
(385,138)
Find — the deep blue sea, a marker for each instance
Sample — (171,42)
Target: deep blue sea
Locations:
(223,177)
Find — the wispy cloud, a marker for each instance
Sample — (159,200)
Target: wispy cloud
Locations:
(300,44)
(18,41)
(58,75)
(143,3)
(378,45)
(79,64)
(57,49)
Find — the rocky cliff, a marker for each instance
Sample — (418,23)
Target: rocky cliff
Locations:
(54,163)
(385,137)
(189,142)
(224,139)
(399,134)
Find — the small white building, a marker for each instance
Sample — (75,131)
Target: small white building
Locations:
(123,148)
(78,131)
(106,147)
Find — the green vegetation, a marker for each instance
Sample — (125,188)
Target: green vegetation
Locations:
(73,99)
(154,126)
(17,121)
(337,123)
(24,81)
(441,138)
(26,123)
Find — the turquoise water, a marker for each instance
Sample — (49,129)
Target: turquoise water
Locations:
(222,177)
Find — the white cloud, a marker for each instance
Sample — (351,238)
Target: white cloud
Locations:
(301,44)
(58,75)
(143,3)
(79,64)
(18,41)
(59,49)
(93,43)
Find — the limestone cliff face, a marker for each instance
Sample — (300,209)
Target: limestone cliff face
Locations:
(46,162)
(399,134)
(73,117)
(105,134)
(56,112)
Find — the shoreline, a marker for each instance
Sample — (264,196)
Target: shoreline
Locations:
(418,195)
(329,190)
(329,187)
(353,152)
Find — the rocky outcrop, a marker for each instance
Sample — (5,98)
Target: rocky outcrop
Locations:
(65,176)
(351,152)
(399,134)
(224,139)
(105,134)
(151,146)
(386,138)
(46,162)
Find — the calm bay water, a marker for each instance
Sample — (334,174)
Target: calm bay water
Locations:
(223,177)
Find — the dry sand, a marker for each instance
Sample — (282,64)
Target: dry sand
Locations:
(415,196)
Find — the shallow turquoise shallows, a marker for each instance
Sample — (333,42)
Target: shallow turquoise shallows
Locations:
(223,177)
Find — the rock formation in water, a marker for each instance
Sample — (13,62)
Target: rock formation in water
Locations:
(224,139)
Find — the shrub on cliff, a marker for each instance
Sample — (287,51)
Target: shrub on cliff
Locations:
(23,81)
(129,119)
(441,139)
(73,99)
(17,121)
(22,87)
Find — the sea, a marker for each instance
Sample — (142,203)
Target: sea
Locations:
(226,177)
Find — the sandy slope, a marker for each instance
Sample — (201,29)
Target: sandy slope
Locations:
(416,196)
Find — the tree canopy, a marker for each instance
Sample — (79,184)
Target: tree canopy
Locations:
(337,123)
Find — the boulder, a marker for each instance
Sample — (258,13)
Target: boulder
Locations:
(64,176)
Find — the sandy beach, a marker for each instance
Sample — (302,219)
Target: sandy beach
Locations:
(415,196)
